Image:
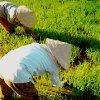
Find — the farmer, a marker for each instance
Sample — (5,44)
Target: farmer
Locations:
(12,16)
(18,66)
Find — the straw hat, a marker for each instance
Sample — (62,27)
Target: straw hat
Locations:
(61,51)
(26,16)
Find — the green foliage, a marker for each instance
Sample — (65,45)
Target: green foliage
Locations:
(85,77)
(71,21)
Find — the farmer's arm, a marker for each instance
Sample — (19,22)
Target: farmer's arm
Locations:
(7,26)
(55,80)
(55,77)
(29,31)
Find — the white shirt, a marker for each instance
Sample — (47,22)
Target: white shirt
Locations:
(21,64)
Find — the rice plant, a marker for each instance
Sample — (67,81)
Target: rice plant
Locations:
(76,22)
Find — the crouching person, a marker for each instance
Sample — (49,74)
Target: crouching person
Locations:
(18,67)
(12,16)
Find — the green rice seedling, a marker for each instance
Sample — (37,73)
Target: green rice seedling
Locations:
(72,21)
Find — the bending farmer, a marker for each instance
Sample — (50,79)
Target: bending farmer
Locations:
(12,16)
(18,67)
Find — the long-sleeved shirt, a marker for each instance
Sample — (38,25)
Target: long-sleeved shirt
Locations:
(21,64)
(8,11)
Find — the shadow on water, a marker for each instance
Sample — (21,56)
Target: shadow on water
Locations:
(79,41)
(67,37)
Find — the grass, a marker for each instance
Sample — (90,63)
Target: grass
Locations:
(72,21)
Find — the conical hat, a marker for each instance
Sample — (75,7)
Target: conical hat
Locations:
(26,16)
(61,51)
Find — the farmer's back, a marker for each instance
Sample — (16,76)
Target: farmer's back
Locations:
(32,58)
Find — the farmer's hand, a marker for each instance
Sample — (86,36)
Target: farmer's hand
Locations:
(34,35)
(64,83)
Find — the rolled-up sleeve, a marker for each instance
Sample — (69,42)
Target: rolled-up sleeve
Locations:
(55,78)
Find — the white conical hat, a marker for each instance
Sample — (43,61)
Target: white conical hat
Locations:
(26,16)
(61,51)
